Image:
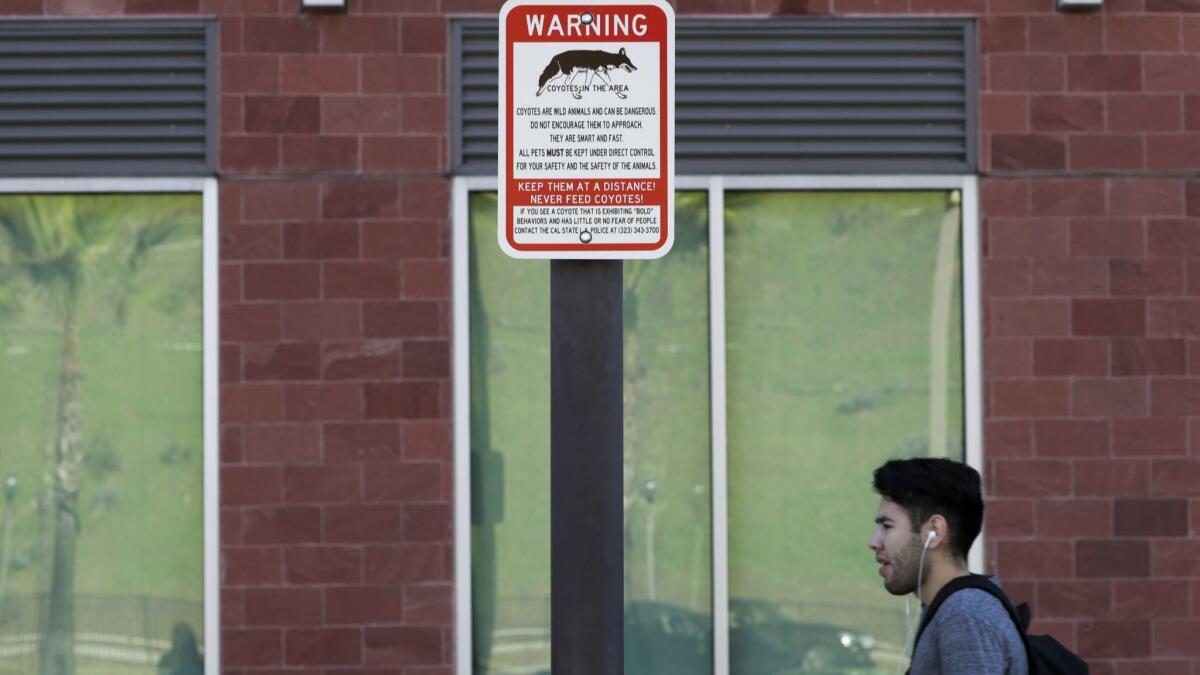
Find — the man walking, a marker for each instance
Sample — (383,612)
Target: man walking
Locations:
(930,512)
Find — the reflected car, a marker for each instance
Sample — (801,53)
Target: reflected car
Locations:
(663,638)
(764,641)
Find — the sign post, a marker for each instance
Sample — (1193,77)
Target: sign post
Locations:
(586,176)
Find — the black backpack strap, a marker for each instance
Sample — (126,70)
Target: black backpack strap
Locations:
(1020,618)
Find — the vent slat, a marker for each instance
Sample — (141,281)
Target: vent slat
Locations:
(781,95)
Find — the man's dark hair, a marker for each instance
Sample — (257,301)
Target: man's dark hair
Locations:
(925,486)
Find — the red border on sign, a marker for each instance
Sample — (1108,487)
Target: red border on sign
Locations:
(657,27)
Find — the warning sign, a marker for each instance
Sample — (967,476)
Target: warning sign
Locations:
(587,129)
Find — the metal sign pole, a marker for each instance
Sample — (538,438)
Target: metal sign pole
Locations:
(586,455)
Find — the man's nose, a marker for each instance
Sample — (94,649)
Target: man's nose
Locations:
(875,543)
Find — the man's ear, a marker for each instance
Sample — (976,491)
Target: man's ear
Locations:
(938,523)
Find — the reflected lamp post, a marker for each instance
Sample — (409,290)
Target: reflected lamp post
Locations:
(10,493)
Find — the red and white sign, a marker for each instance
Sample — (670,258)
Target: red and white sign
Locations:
(587,128)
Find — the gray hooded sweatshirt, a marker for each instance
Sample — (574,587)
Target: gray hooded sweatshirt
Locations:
(971,634)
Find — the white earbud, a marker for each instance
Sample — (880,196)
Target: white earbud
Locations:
(929,539)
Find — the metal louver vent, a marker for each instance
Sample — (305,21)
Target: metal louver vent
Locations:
(781,95)
(106,98)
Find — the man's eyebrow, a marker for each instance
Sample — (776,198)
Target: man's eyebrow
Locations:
(880,520)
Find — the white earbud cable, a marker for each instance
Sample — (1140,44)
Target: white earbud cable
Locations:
(908,605)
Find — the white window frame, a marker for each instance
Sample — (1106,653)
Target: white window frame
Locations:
(207,188)
(717,187)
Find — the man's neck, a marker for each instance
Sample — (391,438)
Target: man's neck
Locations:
(940,573)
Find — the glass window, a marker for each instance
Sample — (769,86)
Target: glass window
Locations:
(667,457)
(101,346)
(844,349)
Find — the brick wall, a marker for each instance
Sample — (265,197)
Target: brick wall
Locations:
(336,551)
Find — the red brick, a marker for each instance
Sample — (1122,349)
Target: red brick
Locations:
(1150,599)
(364,604)
(359,442)
(295,200)
(1147,277)
(411,318)
(1111,478)
(319,74)
(1032,478)
(1175,478)
(162,6)
(249,73)
(1070,357)
(244,485)
(1175,318)
(1071,438)
(395,240)
(427,439)
(282,606)
(320,153)
(363,524)
(1030,398)
(1171,151)
(282,114)
(1025,72)
(290,361)
(428,522)
(1005,277)
(322,321)
(372,360)
(242,648)
(1104,72)
(250,242)
(231,363)
(1074,599)
(1175,72)
(1004,197)
(239,7)
(1053,276)
(1066,113)
(405,563)
(1028,152)
(231,607)
(1018,560)
(70,7)
(1145,112)
(404,400)
(426,199)
(429,604)
(1003,34)
(324,646)
(426,359)
(1177,558)
(252,322)
(1193,280)
(1108,317)
(1191,114)
(408,153)
(1143,34)
(251,403)
(361,35)
(1073,518)
(1151,518)
(1099,152)
(425,114)
(324,565)
(1152,436)
(423,34)
(278,34)
(1141,197)
(321,484)
(230,285)
(330,401)
(1177,638)
(1027,237)
(360,114)
(282,443)
(1147,357)
(1008,358)
(1109,398)
(407,482)
(1073,198)
(254,566)
(352,199)
(1113,639)
(1059,33)
(321,240)
(1029,318)
(361,280)
(427,278)
(404,646)
(402,74)
(249,154)
(282,525)
(1174,238)
(1101,558)
(1175,397)
(1104,238)
(281,281)
(1007,518)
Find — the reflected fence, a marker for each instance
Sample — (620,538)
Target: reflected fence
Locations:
(120,629)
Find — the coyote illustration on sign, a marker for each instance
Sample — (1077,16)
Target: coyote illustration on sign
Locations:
(590,62)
